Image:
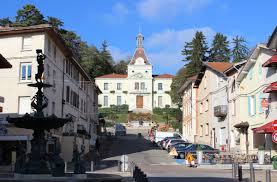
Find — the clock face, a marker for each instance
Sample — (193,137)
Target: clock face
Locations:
(139,61)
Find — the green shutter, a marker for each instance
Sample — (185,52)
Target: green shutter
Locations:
(249,106)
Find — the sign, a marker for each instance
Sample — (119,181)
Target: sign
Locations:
(274,136)
(274,125)
(264,104)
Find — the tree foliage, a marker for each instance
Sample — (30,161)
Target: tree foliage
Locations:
(220,51)
(29,15)
(240,51)
(5,21)
(121,67)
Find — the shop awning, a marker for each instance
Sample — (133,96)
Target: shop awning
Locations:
(272,60)
(271,88)
(264,129)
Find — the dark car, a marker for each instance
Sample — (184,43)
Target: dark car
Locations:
(177,144)
(181,152)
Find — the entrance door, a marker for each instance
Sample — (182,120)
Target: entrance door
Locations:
(139,101)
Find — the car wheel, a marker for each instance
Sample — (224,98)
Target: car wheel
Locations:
(182,155)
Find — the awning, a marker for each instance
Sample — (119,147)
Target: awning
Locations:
(272,60)
(264,129)
(272,87)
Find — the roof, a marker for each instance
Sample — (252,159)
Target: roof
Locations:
(188,81)
(272,42)
(4,63)
(139,52)
(55,36)
(164,76)
(113,75)
(218,67)
(235,68)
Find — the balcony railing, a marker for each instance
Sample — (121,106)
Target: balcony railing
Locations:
(220,111)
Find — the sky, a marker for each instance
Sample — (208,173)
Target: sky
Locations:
(165,24)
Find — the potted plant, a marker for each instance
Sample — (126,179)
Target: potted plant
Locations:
(199,154)
(261,154)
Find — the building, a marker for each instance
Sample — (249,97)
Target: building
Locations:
(212,103)
(139,88)
(253,79)
(190,109)
(234,108)
(74,94)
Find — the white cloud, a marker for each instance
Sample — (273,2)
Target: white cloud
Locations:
(165,47)
(118,13)
(169,8)
(118,54)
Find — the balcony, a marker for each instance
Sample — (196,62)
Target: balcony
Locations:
(140,91)
(220,111)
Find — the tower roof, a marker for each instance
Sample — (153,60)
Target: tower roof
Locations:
(139,52)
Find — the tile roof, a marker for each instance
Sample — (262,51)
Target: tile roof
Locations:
(219,66)
(113,75)
(164,76)
(139,53)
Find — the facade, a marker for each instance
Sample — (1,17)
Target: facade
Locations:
(139,88)
(73,94)
(189,108)
(212,103)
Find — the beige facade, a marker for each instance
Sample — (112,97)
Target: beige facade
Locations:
(73,94)
(139,88)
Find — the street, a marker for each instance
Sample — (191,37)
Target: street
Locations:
(156,163)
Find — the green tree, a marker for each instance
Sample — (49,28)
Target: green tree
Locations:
(220,51)
(106,58)
(55,22)
(121,67)
(5,21)
(29,15)
(177,82)
(240,50)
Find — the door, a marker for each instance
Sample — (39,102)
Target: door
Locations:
(139,101)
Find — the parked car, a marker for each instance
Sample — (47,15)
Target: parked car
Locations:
(177,143)
(120,130)
(163,141)
(181,152)
(160,135)
(168,143)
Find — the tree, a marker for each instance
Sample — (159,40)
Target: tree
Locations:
(240,50)
(177,82)
(55,22)
(5,21)
(106,58)
(121,67)
(29,15)
(194,53)
(220,51)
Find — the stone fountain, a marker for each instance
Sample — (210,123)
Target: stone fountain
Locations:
(38,160)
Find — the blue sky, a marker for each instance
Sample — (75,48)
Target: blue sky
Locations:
(166,24)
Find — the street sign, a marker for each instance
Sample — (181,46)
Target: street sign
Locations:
(264,104)
(274,125)
(274,136)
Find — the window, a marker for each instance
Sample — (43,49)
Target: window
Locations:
(118,86)
(74,99)
(207,129)
(67,95)
(118,100)
(27,43)
(106,101)
(250,74)
(53,79)
(233,86)
(137,86)
(160,101)
(26,71)
(53,107)
(251,105)
(261,97)
(106,86)
(24,105)
(207,105)
(142,86)
(49,46)
(201,130)
(55,53)
(233,107)
(160,86)
(217,82)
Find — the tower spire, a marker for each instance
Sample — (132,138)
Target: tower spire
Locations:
(140,38)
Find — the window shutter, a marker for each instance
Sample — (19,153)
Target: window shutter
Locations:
(249,106)
(260,102)
(254,104)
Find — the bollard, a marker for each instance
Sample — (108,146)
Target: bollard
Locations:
(236,169)
(136,172)
(91,166)
(268,175)
(240,173)
(252,172)
(119,166)
(233,171)
(145,178)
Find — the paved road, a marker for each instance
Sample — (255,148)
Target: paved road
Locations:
(157,164)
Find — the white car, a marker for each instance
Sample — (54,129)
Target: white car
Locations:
(168,144)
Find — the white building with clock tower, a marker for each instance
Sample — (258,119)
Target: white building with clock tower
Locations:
(139,88)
